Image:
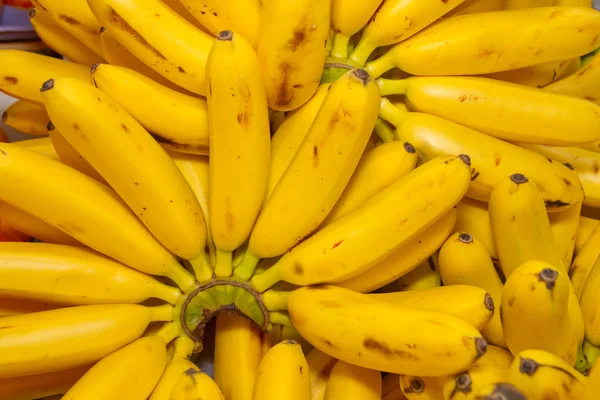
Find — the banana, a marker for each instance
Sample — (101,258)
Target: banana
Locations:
(464,260)
(60,339)
(564,231)
(283,373)
(422,387)
(61,41)
(319,367)
(503,110)
(347,18)
(495,357)
(194,384)
(539,75)
(584,230)
(355,242)
(130,372)
(540,375)
(178,50)
(589,300)
(404,259)
(10,307)
(388,337)
(351,382)
(491,42)
(476,6)
(472,216)
(391,389)
(534,311)
(103,222)
(238,125)
(587,357)
(42,145)
(36,386)
(321,168)
(183,11)
(73,276)
(492,159)
(238,353)
(467,384)
(26,117)
(584,83)
(501,390)
(398,20)
(517,4)
(289,136)
(155,107)
(584,262)
(592,388)
(145,176)
(179,362)
(292,49)
(425,276)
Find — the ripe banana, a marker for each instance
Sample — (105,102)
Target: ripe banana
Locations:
(472,216)
(397,20)
(319,367)
(351,382)
(103,222)
(584,262)
(584,230)
(476,6)
(10,307)
(60,339)
(36,386)
(584,83)
(517,4)
(589,302)
(464,260)
(425,276)
(292,49)
(61,41)
(467,384)
(283,373)
(238,125)
(491,42)
(495,357)
(347,18)
(178,50)
(592,388)
(501,390)
(539,75)
(492,159)
(194,384)
(367,236)
(26,117)
(422,387)
(564,230)
(42,145)
(144,176)
(155,107)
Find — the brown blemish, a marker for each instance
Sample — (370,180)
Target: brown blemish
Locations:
(486,53)
(298,269)
(375,345)
(297,40)
(462,98)
(555,14)
(73,22)
(595,167)
(298,86)
(76,127)
(3,152)
(594,39)
(567,182)
(498,161)
(125,128)
(511,301)
(315,156)
(283,96)
(242,119)
(117,20)
(11,80)
(330,304)
(337,244)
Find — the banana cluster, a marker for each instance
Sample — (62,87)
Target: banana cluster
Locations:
(392,200)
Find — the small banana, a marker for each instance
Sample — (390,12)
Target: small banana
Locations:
(425,276)
(347,18)
(194,384)
(472,216)
(26,117)
(319,366)
(178,354)
(539,75)
(519,4)
(584,230)
(36,386)
(422,387)
(351,382)
(584,83)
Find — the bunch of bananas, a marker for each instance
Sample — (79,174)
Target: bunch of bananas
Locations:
(406,187)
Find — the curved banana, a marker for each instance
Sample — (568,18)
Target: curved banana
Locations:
(194,384)
(347,18)
(518,4)
(464,260)
(592,388)
(492,159)
(351,382)
(156,107)
(584,262)
(539,75)
(184,12)
(584,230)
(292,49)
(491,42)
(495,357)
(425,276)
(110,227)
(476,6)
(13,306)
(398,20)
(472,216)
(283,373)
(26,117)
(178,353)
(564,230)
(319,367)
(42,145)
(355,242)
(36,386)
(589,298)
(467,384)
(144,175)
(585,83)
(422,387)
(178,50)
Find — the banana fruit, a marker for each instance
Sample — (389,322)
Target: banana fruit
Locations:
(472,217)
(194,384)
(319,367)
(425,276)
(584,230)
(41,385)
(584,83)
(351,382)
(539,75)
(589,302)
(13,306)
(347,18)
(26,117)
(42,146)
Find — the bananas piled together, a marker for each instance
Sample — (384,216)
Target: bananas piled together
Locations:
(414,142)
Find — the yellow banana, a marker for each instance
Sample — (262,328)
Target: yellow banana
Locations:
(26,117)
(492,159)
(103,222)
(422,387)
(584,262)
(319,367)
(391,389)
(129,373)
(194,384)
(283,373)
(290,134)
(589,300)
(144,175)
(179,362)
(184,12)
(11,306)
(397,20)
(464,260)
(583,83)
(155,107)
(491,42)
(292,49)
(467,384)
(347,18)
(355,243)
(41,146)
(476,6)
(425,276)
(564,231)
(539,75)
(472,216)
(36,386)
(238,126)
(592,388)
(469,303)
(351,382)
(584,230)
(517,4)
(495,357)
(540,375)
(238,353)
(405,259)
(321,168)
(501,390)
(178,50)
(373,334)
(504,110)
(55,340)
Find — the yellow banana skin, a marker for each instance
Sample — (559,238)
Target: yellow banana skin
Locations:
(492,159)
(395,339)
(26,117)
(425,276)
(467,384)
(500,390)
(178,353)
(584,263)
(355,242)
(36,386)
(491,42)
(476,6)
(178,51)
(517,4)
(60,339)
(155,106)
(590,392)
(495,357)
(10,307)
(504,110)
(464,260)
(110,227)
(472,216)
(319,366)
(539,75)
(194,384)
(292,49)
(589,303)
(283,373)
(583,83)
(42,145)
(347,18)
(130,372)
(145,176)
(398,20)
(422,387)
(584,230)
(318,171)
(351,382)
(564,230)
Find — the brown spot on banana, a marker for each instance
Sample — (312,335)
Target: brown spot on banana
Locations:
(330,304)
(298,269)
(284,96)
(11,80)
(315,156)
(125,128)
(242,119)
(120,23)
(73,22)
(383,348)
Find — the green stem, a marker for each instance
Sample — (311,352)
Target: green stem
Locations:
(340,46)
(202,269)
(245,269)
(363,50)
(224,266)
(385,133)
(276,300)
(391,113)
(281,318)
(392,86)
(263,281)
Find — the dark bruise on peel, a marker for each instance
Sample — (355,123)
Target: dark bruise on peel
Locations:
(555,204)
(73,22)
(283,96)
(11,80)
(375,345)
(117,20)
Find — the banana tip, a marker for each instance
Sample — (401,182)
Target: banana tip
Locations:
(50,126)
(32,12)
(362,74)
(4,116)
(488,302)
(49,84)
(417,385)
(549,276)
(225,35)
(94,67)
(569,166)
(505,391)
(463,382)
(528,366)
(465,238)
(481,346)
(289,341)
(409,148)
(518,178)
(466,159)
